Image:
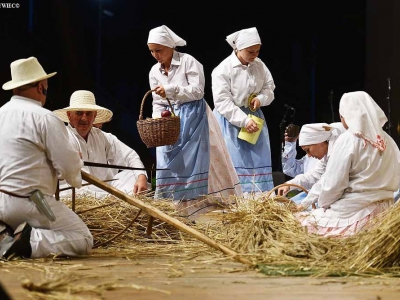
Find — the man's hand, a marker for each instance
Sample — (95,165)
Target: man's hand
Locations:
(140,184)
(282,191)
(292,133)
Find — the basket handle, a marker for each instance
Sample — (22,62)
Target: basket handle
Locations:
(142,105)
(289,184)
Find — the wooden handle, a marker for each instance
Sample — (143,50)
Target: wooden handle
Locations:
(285,184)
(289,184)
(154,212)
(142,104)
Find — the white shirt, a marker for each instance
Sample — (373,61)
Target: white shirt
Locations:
(310,179)
(292,166)
(34,149)
(184,83)
(102,147)
(233,83)
(356,177)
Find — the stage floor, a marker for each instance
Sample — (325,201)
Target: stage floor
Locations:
(194,279)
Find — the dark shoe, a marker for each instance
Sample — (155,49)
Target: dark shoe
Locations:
(6,237)
(21,247)
(5,231)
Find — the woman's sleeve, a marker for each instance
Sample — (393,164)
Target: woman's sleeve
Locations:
(266,95)
(222,96)
(336,177)
(290,165)
(193,89)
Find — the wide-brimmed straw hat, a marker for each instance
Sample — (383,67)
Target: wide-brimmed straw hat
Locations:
(25,71)
(84,101)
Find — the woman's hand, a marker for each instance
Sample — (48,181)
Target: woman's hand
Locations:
(300,207)
(251,126)
(159,90)
(255,104)
(282,191)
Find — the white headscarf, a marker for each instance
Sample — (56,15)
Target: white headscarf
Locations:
(364,118)
(244,38)
(164,36)
(311,134)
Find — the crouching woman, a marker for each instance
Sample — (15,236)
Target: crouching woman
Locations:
(362,173)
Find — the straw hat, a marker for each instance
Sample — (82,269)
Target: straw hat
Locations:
(84,101)
(25,71)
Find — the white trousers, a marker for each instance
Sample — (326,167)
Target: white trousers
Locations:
(67,235)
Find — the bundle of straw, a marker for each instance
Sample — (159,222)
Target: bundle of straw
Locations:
(265,231)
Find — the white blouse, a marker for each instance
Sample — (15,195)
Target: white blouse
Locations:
(233,83)
(184,82)
(357,176)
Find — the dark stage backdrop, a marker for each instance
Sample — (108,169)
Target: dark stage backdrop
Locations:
(315,51)
(382,80)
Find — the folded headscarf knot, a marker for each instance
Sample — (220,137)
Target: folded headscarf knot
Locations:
(364,118)
(164,36)
(244,38)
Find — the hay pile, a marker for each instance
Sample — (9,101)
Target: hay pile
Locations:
(118,228)
(265,232)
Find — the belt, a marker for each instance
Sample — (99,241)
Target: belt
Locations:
(14,195)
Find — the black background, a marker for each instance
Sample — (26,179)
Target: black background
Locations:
(312,48)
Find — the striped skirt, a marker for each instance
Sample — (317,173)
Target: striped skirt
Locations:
(201,176)
(251,162)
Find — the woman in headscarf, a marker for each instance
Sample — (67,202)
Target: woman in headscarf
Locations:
(201,173)
(241,84)
(317,140)
(362,174)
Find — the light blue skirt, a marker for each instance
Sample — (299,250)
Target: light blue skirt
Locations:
(252,162)
(188,160)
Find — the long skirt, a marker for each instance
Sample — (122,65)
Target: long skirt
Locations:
(201,176)
(252,162)
(310,221)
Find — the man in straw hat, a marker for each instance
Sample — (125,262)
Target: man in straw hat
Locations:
(317,140)
(98,146)
(34,154)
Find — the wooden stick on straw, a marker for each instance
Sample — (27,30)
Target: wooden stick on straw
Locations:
(154,212)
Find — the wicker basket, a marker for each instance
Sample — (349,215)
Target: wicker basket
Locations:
(160,131)
(286,200)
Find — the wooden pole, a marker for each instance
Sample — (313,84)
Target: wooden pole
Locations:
(158,214)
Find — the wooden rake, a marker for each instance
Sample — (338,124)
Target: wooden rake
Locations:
(156,213)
